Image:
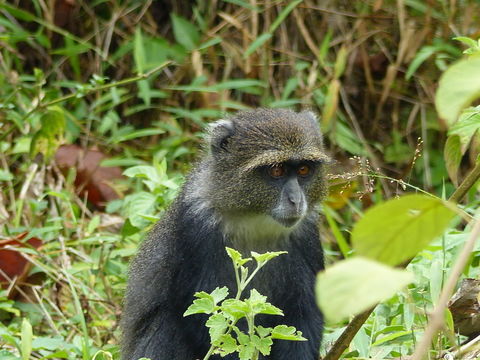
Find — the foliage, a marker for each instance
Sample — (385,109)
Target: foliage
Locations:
(139,81)
(225,314)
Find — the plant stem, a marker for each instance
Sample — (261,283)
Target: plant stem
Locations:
(466,184)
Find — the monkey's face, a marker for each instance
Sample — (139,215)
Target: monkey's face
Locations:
(267,164)
(289,181)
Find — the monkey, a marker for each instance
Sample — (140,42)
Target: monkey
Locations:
(256,189)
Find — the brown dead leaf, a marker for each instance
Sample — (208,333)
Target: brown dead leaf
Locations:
(92,180)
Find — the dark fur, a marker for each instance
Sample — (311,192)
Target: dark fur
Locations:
(185,253)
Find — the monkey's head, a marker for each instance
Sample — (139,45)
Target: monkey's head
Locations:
(266,162)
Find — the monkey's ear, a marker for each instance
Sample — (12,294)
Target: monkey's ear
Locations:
(220,132)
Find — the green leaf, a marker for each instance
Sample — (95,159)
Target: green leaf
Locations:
(186,34)
(421,56)
(217,325)
(398,229)
(258,304)
(264,345)
(256,44)
(355,285)
(138,204)
(247,349)
(142,171)
(466,126)
(5,175)
(459,86)
(219,294)
(467,41)
(237,84)
(236,257)
(453,156)
(226,344)
(139,51)
(263,332)
(139,133)
(284,332)
(266,257)
(340,62)
(50,135)
(283,14)
(391,337)
(235,308)
(200,306)
(26,336)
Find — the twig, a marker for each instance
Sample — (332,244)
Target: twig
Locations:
(436,319)
(466,184)
(354,326)
(347,336)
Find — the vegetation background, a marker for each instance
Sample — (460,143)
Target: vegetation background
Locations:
(102,108)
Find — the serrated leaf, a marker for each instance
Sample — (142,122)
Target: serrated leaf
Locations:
(452,154)
(246,351)
(458,87)
(236,308)
(219,294)
(200,306)
(284,332)
(236,257)
(398,229)
(266,257)
(226,345)
(258,304)
(262,331)
(186,34)
(356,284)
(263,345)
(217,325)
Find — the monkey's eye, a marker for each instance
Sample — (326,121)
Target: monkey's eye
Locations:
(303,170)
(276,171)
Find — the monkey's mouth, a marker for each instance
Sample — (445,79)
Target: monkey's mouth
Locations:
(289,221)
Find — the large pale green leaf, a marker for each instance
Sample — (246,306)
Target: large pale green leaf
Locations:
(458,87)
(354,285)
(398,229)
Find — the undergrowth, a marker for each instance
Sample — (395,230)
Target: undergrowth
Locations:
(102,107)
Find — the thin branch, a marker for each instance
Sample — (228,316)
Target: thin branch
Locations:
(347,336)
